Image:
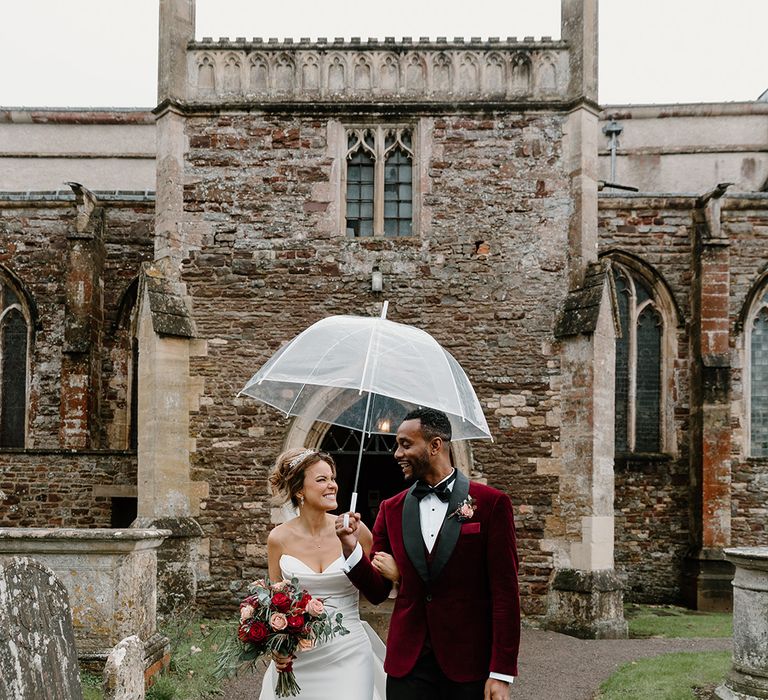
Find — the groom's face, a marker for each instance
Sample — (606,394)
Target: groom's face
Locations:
(412,453)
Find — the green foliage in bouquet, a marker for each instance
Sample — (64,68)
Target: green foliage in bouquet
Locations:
(278,618)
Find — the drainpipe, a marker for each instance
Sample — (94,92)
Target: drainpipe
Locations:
(613,129)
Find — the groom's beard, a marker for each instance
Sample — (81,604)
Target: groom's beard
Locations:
(419,466)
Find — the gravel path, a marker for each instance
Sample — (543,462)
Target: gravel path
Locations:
(552,666)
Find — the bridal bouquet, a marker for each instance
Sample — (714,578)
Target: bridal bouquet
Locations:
(279,617)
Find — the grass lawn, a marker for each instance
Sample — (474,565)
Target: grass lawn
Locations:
(671,621)
(667,677)
(671,676)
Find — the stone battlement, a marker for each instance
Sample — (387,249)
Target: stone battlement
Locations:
(406,71)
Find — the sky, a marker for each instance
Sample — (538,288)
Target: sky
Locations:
(103,53)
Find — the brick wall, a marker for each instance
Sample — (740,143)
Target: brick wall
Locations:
(653,494)
(44,486)
(55,488)
(491,247)
(33,247)
(746,223)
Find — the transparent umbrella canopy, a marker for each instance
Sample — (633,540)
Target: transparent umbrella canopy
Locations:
(327,368)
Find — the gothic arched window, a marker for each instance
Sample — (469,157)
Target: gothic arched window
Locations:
(14,354)
(757,380)
(379,182)
(639,366)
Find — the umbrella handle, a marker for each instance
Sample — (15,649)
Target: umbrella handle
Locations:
(352,506)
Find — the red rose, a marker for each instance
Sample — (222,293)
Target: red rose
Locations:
(242,633)
(302,604)
(281,602)
(258,632)
(295,622)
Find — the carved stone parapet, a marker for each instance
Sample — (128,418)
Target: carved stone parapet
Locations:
(430,72)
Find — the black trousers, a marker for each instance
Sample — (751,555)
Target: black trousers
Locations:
(427,682)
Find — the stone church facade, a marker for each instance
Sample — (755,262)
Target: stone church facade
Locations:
(616,338)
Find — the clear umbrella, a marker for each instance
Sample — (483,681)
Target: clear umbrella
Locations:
(326,369)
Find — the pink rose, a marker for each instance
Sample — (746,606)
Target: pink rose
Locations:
(259,583)
(315,607)
(279,586)
(306,644)
(246,612)
(466,511)
(278,621)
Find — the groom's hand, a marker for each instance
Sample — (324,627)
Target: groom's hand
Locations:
(496,689)
(348,535)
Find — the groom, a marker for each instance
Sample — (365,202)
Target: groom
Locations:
(455,628)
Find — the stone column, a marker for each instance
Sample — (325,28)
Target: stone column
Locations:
(586,598)
(177,29)
(83,321)
(748,678)
(707,574)
(167,497)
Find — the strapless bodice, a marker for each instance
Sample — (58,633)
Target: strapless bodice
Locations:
(332,585)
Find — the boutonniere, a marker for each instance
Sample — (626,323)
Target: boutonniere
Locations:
(465,511)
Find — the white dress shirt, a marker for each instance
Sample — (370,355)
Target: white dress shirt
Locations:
(432,512)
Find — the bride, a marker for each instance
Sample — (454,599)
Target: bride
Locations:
(350,667)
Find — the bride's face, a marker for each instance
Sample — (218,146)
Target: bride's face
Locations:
(320,487)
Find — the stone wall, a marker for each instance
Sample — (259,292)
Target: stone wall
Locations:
(264,192)
(652,501)
(43,149)
(746,224)
(58,488)
(36,231)
(656,502)
(45,485)
(686,147)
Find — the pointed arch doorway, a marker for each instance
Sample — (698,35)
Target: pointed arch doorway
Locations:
(380,475)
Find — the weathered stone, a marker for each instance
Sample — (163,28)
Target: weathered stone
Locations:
(124,671)
(110,577)
(587,604)
(38,658)
(748,679)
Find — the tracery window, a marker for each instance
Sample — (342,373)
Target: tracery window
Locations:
(757,367)
(639,366)
(14,349)
(379,181)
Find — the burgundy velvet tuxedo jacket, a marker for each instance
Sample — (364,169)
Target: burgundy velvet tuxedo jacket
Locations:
(466,599)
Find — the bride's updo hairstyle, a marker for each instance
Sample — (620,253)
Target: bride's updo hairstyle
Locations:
(287,477)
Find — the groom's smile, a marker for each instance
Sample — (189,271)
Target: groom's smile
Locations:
(412,453)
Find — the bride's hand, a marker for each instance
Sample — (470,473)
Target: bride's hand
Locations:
(282,663)
(385,564)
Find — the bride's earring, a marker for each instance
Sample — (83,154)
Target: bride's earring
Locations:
(301,501)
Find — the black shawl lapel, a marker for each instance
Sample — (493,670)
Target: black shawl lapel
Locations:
(449,533)
(412,538)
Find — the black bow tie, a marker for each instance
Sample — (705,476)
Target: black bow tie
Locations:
(441,490)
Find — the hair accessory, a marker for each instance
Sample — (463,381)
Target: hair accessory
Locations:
(299,458)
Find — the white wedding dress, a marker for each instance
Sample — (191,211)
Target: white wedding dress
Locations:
(349,667)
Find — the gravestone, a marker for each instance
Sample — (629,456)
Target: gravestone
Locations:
(124,671)
(38,658)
